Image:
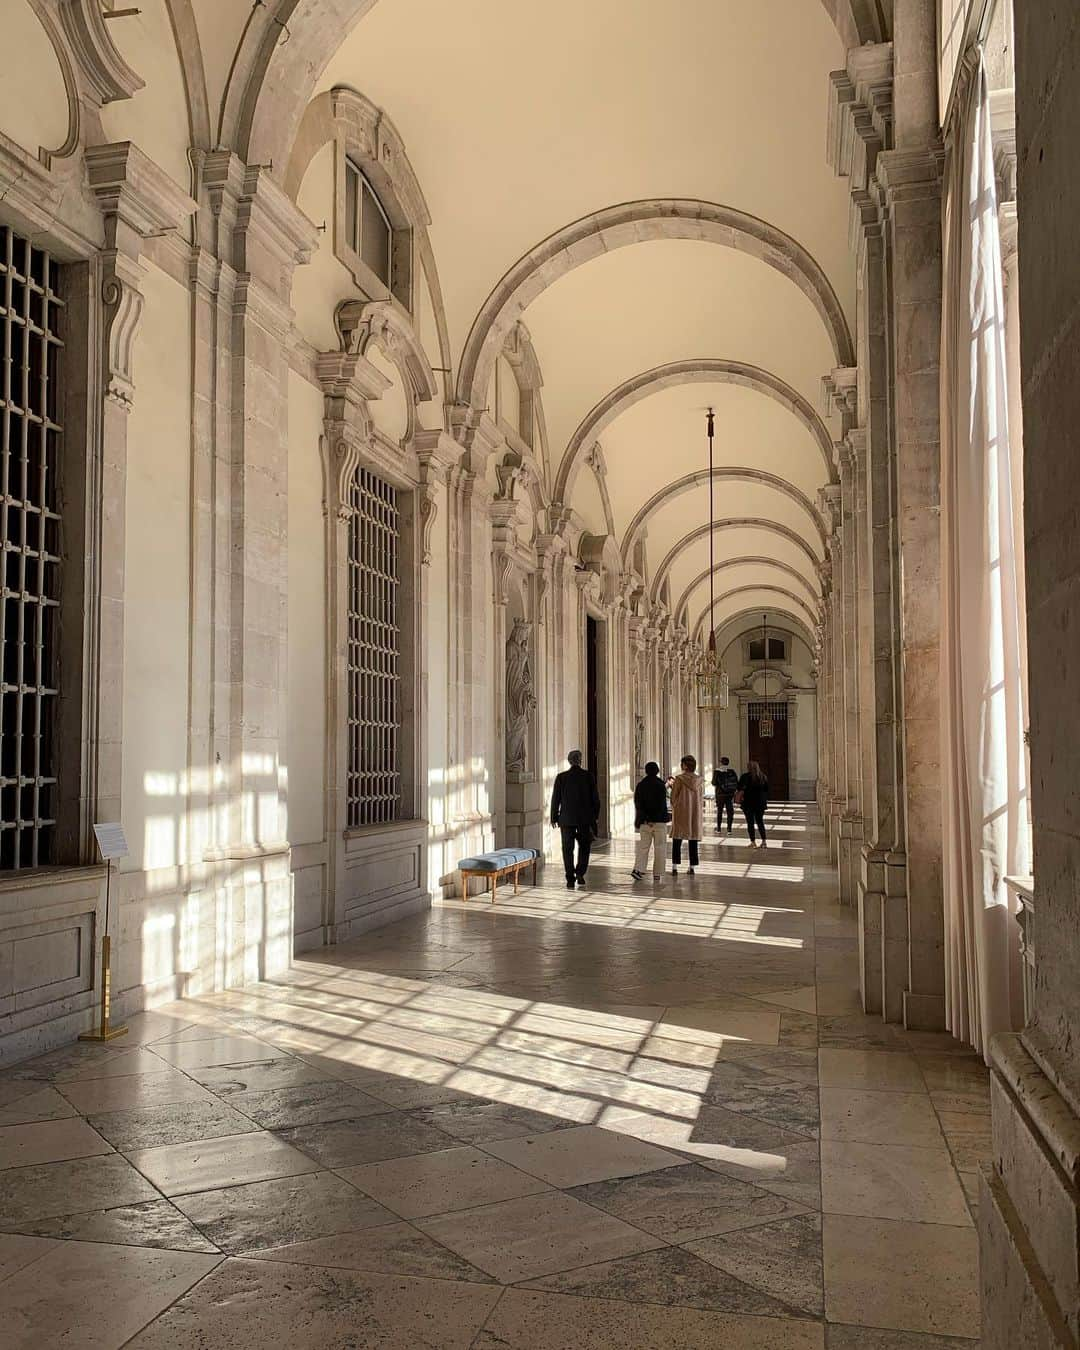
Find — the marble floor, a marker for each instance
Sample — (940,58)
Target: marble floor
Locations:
(640,1116)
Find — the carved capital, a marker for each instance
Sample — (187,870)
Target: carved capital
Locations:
(137,198)
(428,504)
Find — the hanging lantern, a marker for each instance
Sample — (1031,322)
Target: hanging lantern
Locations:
(712,679)
(765,725)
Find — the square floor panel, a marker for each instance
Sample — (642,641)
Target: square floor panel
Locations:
(48,1141)
(436,1183)
(683,1203)
(212,1163)
(521,1239)
(42,1192)
(877,1070)
(891,1181)
(243,1219)
(907,1276)
(350,1143)
(864,1117)
(584,1153)
(93,1295)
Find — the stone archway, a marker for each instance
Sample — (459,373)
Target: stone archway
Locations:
(701,478)
(633,223)
(728,563)
(790,596)
(713,370)
(732,523)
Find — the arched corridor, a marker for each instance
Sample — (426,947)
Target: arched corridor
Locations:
(442,438)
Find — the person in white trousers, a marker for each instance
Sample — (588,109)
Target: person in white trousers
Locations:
(651,816)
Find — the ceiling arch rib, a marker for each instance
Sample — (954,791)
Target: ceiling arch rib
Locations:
(785,600)
(771,564)
(700,371)
(731,523)
(722,475)
(635,223)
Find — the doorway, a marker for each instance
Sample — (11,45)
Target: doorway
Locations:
(596,714)
(770,751)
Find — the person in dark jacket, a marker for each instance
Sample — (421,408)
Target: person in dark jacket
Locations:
(575,809)
(725,781)
(651,816)
(753,797)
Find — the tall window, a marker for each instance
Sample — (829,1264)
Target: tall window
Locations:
(374,788)
(367,227)
(777,649)
(30,368)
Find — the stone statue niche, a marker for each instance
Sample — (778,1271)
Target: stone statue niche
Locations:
(520,699)
(639,744)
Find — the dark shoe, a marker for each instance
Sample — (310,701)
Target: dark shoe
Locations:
(674,871)
(570,885)
(581,882)
(689,871)
(636,874)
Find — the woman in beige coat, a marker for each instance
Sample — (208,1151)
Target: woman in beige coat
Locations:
(687,812)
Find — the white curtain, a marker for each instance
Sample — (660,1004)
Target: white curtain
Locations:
(983,669)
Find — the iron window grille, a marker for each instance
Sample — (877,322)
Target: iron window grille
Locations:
(373,780)
(31,346)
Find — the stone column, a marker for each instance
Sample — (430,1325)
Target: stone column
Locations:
(1029,1204)
(851,821)
(911,179)
(262,236)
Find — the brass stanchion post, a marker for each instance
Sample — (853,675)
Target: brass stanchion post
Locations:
(105,1031)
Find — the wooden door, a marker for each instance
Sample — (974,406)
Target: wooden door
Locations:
(771,752)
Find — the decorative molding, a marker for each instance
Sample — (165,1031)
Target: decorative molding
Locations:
(369,131)
(384,323)
(66,59)
(131,187)
(123,313)
(107,77)
(27,186)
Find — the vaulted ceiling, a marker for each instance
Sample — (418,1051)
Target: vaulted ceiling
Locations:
(643,183)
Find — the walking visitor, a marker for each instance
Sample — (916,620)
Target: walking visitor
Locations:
(575,809)
(753,797)
(725,782)
(651,816)
(687,813)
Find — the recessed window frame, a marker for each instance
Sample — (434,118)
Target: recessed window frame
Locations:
(368,174)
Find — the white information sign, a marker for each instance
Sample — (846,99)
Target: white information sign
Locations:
(111,841)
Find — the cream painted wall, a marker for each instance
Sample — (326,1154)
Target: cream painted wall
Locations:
(391,412)
(324,282)
(220,26)
(507,395)
(306,757)
(156,118)
(33,102)
(589,504)
(156,598)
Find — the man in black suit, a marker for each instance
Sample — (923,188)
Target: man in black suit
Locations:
(575,809)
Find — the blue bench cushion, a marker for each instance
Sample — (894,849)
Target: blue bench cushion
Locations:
(497,860)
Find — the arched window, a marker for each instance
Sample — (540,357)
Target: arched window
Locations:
(367,226)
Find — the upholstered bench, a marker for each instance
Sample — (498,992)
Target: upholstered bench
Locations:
(495,865)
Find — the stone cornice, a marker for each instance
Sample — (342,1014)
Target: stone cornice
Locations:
(860,112)
(261,230)
(911,175)
(384,323)
(134,194)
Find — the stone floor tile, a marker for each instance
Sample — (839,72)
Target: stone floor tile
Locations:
(217,1051)
(153,1223)
(891,1181)
(971,1103)
(763,1028)
(49,1141)
(305,1104)
(791,1064)
(94,1295)
(868,1117)
(45,1068)
(669,1277)
(788,1106)
(791,1170)
(530,1320)
(538,1235)
(478,1121)
(804,999)
(437,1183)
(782,1260)
(259,1075)
(243,1219)
(391,1249)
(176,1123)
(581,1154)
(94,1096)
(17,1251)
(36,1102)
(874,1070)
(43,1192)
(406,1094)
(901,1276)
(348,1143)
(146,1027)
(953,1072)
(679,1204)
(79,1062)
(211,1163)
(873,1338)
(245,1304)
